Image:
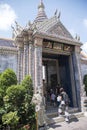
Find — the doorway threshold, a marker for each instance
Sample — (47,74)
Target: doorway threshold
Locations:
(53,111)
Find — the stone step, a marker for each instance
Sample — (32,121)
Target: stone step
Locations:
(61,119)
(54,113)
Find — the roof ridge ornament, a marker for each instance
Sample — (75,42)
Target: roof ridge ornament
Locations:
(77,37)
(18,27)
(29,25)
(16,30)
(56,12)
(59,14)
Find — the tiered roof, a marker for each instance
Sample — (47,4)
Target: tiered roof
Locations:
(52,28)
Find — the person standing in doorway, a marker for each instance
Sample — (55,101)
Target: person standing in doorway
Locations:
(64,105)
(53,96)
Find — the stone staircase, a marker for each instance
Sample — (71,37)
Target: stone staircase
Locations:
(52,111)
(61,119)
(52,114)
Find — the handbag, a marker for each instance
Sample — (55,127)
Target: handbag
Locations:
(59,98)
(62,102)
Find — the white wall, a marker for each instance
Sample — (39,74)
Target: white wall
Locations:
(8,61)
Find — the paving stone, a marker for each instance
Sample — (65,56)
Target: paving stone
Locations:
(75,124)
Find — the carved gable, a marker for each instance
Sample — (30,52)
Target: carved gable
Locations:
(59,30)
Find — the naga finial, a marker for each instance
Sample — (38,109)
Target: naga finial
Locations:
(59,15)
(55,12)
(77,37)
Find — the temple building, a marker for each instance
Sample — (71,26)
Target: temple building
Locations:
(47,51)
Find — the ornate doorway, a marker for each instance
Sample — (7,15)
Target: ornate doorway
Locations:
(57,71)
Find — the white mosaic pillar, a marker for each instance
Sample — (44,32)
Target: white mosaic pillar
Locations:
(26,57)
(19,43)
(38,63)
(30,53)
(31,62)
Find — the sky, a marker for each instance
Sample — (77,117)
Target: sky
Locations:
(73,15)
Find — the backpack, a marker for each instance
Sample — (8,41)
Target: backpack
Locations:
(65,98)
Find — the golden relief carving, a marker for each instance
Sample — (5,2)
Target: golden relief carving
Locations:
(47,45)
(58,46)
(52,45)
(68,48)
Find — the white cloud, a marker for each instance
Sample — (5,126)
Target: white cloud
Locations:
(7,16)
(84,47)
(85,22)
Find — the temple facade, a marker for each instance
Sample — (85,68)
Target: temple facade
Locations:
(47,51)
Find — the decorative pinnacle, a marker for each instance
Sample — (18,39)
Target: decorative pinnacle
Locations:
(41,5)
(41,1)
(41,13)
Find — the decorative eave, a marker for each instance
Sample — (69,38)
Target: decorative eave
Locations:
(19,41)
(19,38)
(27,34)
(8,50)
(7,45)
(57,38)
(24,37)
(24,33)
(7,39)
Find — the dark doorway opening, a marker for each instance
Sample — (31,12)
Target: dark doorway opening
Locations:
(64,72)
(52,73)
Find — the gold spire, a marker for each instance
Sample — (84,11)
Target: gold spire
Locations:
(41,5)
(41,13)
